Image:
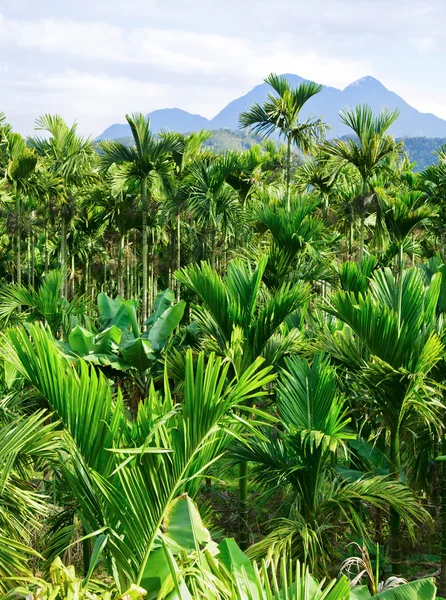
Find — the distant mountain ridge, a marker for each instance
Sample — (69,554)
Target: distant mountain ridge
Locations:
(327,104)
(420,149)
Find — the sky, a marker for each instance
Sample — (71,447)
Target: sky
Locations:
(93,61)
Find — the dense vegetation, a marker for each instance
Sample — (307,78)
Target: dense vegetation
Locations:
(202,346)
(420,150)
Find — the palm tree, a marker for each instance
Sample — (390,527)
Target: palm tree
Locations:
(242,321)
(19,164)
(296,240)
(402,213)
(69,158)
(367,151)
(124,503)
(42,304)
(212,200)
(393,347)
(320,504)
(28,442)
(189,148)
(147,164)
(281,112)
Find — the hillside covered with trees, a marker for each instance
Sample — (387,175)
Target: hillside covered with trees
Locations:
(223,370)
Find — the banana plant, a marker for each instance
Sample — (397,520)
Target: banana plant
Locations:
(119,345)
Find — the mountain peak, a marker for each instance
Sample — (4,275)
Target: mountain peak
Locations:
(327,104)
(366,82)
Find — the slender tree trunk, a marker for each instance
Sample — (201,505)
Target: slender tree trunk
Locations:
(395,521)
(243,506)
(361,237)
(33,261)
(46,251)
(288,174)
(13,265)
(18,240)
(28,257)
(400,282)
(178,253)
(127,268)
(72,275)
(120,267)
(325,206)
(213,247)
(144,252)
(63,256)
(87,273)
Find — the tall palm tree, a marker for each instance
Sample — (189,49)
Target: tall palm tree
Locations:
(402,213)
(367,151)
(319,505)
(68,157)
(19,164)
(296,239)
(212,200)
(148,165)
(242,321)
(280,112)
(392,346)
(189,148)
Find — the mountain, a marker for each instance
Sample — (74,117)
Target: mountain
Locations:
(173,119)
(327,105)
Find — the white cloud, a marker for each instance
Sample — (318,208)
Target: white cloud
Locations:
(98,60)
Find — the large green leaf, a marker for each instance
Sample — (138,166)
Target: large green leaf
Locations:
(422,589)
(360,592)
(81,340)
(108,307)
(139,354)
(165,325)
(183,525)
(183,530)
(162,303)
(241,568)
(106,340)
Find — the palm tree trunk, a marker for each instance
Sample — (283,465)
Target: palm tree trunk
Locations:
(213,246)
(395,521)
(72,275)
(288,174)
(28,258)
(361,237)
(127,268)
(87,272)
(178,253)
(18,241)
(400,282)
(144,252)
(243,506)
(33,261)
(120,267)
(63,256)
(46,251)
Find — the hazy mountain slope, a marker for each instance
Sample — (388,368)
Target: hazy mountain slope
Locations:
(173,119)
(327,105)
(420,149)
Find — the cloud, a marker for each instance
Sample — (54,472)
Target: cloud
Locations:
(98,60)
